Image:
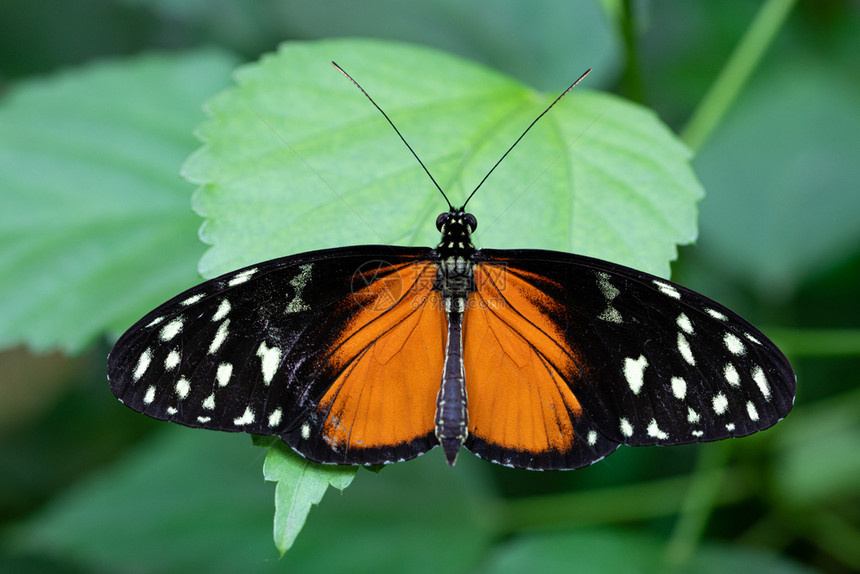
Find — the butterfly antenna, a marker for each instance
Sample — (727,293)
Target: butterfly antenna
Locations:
(424,167)
(554,102)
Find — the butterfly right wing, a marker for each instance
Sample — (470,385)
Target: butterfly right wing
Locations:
(315,348)
(568,357)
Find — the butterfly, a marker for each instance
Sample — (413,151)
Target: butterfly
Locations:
(375,354)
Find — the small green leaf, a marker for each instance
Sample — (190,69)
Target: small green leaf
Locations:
(297,159)
(300,484)
(95,225)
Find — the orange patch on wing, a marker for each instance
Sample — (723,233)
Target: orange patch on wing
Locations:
(390,359)
(514,358)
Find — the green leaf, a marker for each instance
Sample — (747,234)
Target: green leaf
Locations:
(186,501)
(190,501)
(95,225)
(819,452)
(597,552)
(296,159)
(300,484)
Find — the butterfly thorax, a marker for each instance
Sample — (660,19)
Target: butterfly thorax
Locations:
(455,278)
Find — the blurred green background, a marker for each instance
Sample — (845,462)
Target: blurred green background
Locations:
(89,486)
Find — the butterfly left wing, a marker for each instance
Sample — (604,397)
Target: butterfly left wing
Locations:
(594,355)
(314,348)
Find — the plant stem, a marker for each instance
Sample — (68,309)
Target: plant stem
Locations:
(632,78)
(701,497)
(619,504)
(743,60)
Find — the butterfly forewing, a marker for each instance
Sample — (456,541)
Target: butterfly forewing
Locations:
(252,350)
(657,363)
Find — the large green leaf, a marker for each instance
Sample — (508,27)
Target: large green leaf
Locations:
(187,501)
(95,224)
(191,501)
(296,159)
(598,552)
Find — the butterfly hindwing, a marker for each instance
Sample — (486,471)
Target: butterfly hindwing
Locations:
(268,349)
(643,361)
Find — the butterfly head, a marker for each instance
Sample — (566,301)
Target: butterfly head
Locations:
(456,227)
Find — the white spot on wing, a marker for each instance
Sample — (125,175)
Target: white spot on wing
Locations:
(225,370)
(608,289)
(730,427)
(182,387)
(697,433)
(142,364)
(155,322)
(171,410)
(667,289)
(171,329)
(626,427)
(655,432)
(204,420)
(634,372)
(219,337)
(751,338)
(684,349)
(679,387)
(734,345)
(222,310)
(306,431)
(209,402)
(192,300)
(299,282)
(684,324)
(761,381)
(242,277)
(149,396)
(716,314)
(171,360)
(611,315)
(246,418)
(751,411)
(275,417)
(592,437)
(720,403)
(692,416)
(270,358)
(732,375)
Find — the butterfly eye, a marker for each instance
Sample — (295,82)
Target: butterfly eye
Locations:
(440,221)
(471,221)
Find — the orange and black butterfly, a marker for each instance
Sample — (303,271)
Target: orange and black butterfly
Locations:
(375,354)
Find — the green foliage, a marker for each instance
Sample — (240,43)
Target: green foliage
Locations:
(301,483)
(294,151)
(94,222)
(96,227)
